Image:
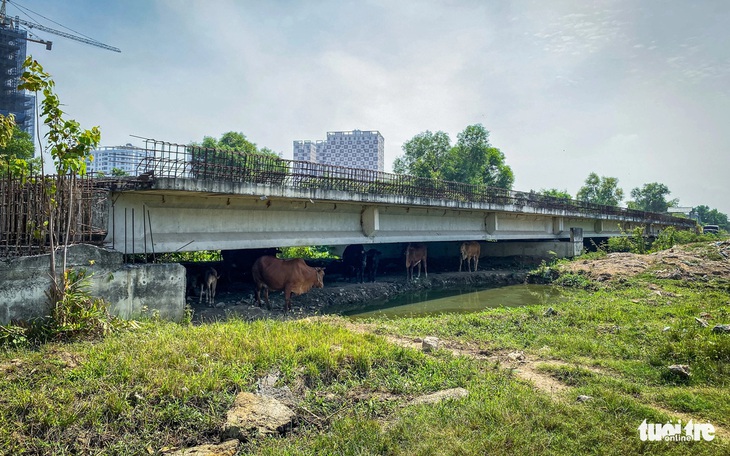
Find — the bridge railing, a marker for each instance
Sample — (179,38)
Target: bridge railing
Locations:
(171,160)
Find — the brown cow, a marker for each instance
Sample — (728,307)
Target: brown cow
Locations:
(415,255)
(470,250)
(210,281)
(292,276)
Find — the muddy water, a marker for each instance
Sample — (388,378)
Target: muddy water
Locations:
(434,302)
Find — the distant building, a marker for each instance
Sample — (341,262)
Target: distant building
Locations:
(19,103)
(126,158)
(354,149)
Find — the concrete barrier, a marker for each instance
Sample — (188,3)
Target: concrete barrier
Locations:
(133,290)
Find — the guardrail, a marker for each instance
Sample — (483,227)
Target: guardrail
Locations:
(171,160)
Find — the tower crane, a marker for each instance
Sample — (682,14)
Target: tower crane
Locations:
(15,22)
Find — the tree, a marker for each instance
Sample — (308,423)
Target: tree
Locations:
(118,172)
(16,151)
(231,151)
(707,216)
(425,155)
(235,142)
(20,145)
(475,161)
(69,147)
(651,198)
(555,193)
(472,160)
(600,190)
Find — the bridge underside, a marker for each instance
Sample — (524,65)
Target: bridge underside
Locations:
(172,218)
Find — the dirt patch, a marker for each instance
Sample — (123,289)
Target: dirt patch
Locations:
(692,262)
(524,366)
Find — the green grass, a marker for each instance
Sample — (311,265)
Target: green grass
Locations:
(167,385)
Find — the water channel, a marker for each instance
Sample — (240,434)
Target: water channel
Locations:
(435,302)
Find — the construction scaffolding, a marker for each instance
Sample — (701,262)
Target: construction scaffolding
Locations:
(20,104)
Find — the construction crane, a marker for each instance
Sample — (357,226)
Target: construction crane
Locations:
(10,22)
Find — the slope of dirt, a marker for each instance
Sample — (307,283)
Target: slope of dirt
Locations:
(690,262)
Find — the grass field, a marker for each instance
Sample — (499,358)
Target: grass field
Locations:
(167,385)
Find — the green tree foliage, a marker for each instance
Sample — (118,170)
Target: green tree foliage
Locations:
(651,198)
(555,193)
(308,252)
(707,216)
(16,150)
(425,155)
(475,161)
(235,142)
(471,160)
(68,144)
(118,172)
(600,190)
(20,145)
(231,151)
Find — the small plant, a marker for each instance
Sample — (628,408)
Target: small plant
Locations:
(76,313)
(13,336)
(665,240)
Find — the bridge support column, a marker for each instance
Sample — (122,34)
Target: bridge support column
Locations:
(576,239)
(558,225)
(598,226)
(491,224)
(370,221)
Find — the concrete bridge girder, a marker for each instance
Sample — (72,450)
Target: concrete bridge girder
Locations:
(189,216)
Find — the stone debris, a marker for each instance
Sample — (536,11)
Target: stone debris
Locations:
(430,344)
(701,322)
(254,415)
(584,398)
(265,387)
(516,357)
(227,448)
(721,329)
(550,312)
(438,396)
(681,370)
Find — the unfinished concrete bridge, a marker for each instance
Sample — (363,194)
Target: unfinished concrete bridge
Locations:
(190,198)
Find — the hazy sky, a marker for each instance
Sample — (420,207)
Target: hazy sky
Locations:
(638,90)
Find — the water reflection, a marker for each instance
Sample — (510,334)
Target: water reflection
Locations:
(434,302)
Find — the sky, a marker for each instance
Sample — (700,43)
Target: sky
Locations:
(637,89)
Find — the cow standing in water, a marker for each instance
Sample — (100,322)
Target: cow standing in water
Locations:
(470,251)
(291,276)
(210,282)
(415,255)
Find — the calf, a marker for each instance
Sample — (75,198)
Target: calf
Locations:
(470,251)
(210,281)
(292,276)
(415,255)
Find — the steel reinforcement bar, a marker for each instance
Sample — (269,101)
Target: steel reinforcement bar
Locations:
(164,159)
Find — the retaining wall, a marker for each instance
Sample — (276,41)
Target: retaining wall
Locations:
(133,290)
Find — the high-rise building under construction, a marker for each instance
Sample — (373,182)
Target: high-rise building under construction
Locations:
(13,41)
